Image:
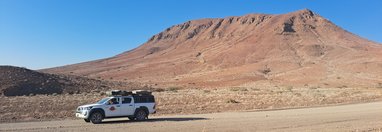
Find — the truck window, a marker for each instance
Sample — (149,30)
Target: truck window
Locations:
(151,99)
(126,100)
(114,101)
(144,99)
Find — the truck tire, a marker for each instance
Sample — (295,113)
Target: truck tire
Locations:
(141,115)
(96,117)
(87,120)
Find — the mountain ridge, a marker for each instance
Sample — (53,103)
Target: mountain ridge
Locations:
(234,51)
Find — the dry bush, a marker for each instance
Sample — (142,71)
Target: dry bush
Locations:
(379,85)
(173,89)
(289,88)
(206,91)
(159,90)
(232,101)
(239,89)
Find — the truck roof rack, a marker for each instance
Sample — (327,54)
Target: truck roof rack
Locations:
(126,93)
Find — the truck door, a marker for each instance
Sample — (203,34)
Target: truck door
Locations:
(127,106)
(113,107)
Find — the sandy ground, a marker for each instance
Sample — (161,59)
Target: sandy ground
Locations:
(181,102)
(354,117)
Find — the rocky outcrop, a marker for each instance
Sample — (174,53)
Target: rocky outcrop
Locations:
(17,81)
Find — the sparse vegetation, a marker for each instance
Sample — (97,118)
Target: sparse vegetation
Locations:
(343,86)
(206,91)
(238,89)
(255,89)
(314,87)
(185,101)
(289,88)
(232,101)
(198,54)
(379,85)
(173,89)
(279,92)
(266,70)
(159,90)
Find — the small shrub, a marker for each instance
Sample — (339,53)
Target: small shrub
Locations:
(232,101)
(199,53)
(289,88)
(238,89)
(206,91)
(173,89)
(279,92)
(343,86)
(159,90)
(313,87)
(298,94)
(255,89)
(379,85)
(266,71)
(234,89)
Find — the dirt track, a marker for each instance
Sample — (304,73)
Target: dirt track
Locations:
(355,117)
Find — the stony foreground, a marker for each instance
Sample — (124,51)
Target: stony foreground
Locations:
(197,101)
(355,117)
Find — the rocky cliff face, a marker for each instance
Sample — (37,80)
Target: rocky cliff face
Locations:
(298,48)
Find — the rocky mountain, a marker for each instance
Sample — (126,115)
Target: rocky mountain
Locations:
(16,81)
(299,48)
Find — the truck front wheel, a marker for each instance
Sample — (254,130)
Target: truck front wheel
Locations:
(96,117)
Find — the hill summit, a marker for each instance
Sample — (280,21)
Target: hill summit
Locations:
(298,48)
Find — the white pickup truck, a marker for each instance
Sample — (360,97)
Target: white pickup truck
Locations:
(135,105)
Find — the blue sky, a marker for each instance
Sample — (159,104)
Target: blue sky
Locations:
(46,33)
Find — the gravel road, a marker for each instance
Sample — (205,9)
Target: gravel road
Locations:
(353,117)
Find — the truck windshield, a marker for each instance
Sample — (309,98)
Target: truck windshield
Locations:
(102,101)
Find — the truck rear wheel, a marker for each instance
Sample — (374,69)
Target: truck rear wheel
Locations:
(141,115)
